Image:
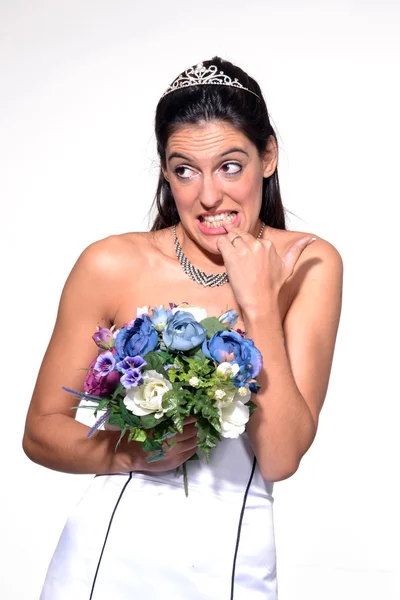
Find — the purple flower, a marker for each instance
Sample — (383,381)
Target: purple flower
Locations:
(131,368)
(131,362)
(104,338)
(131,378)
(105,363)
(138,338)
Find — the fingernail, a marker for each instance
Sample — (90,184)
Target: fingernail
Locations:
(311,241)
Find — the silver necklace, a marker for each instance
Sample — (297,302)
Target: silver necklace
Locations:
(206,279)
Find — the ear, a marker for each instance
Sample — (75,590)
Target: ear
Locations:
(270,159)
(164,172)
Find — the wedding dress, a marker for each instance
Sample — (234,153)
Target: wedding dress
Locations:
(137,536)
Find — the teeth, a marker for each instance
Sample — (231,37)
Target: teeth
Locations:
(215,220)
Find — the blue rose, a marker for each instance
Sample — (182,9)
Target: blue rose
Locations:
(160,317)
(183,332)
(230,346)
(137,338)
(229,318)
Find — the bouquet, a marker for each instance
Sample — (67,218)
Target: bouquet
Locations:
(166,365)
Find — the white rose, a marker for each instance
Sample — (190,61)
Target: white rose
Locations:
(198,313)
(146,399)
(233,419)
(227,369)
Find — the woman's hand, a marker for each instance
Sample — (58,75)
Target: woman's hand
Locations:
(185,447)
(255,269)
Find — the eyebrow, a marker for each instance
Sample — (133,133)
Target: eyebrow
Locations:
(178,155)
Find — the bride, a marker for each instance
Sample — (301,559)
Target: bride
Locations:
(219,241)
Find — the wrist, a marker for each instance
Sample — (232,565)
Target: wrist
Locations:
(122,458)
(260,312)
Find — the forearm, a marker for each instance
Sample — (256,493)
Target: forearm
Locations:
(282,428)
(60,442)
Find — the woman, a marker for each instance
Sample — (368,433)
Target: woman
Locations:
(219,241)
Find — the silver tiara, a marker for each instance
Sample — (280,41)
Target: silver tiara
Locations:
(201,75)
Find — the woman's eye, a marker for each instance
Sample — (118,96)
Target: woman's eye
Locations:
(236,165)
(237,168)
(182,169)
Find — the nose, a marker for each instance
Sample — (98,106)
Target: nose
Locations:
(210,194)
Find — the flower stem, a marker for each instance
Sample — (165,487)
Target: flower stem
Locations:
(185,479)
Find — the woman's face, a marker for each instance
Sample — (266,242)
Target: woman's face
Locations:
(216,176)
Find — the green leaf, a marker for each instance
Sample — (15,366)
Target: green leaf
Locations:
(149,421)
(137,435)
(121,436)
(101,406)
(174,398)
(199,354)
(174,402)
(166,357)
(201,404)
(193,457)
(119,389)
(252,407)
(128,417)
(208,436)
(155,456)
(116,419)
(155,362)
(212,325)
(164,431)
(148,445)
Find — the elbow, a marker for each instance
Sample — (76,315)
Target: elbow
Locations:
(277,473)
(30,446)
(27,446)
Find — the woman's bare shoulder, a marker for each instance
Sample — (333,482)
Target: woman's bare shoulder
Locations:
(119,251)
(284,238)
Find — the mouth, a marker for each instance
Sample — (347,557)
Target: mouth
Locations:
(212,224)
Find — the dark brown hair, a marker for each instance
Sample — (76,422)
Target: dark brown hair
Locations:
(241,109)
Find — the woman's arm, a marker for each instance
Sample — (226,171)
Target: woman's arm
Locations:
(53,437)
(297,360)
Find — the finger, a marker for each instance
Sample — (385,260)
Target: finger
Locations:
(187,445)
(240,238)
(182,446)
(232,231)
(237,241)
(293,254)
(188,431)
(224,246)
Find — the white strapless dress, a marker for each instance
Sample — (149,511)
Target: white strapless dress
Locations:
(136,535)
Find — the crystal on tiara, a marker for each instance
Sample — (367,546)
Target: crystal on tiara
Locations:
(201,75)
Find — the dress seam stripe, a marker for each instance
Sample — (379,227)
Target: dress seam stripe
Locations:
(107,534)
(240,527)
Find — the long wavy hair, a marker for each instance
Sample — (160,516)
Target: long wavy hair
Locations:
(244,111)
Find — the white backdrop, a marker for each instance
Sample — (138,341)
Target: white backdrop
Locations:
(80,82)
